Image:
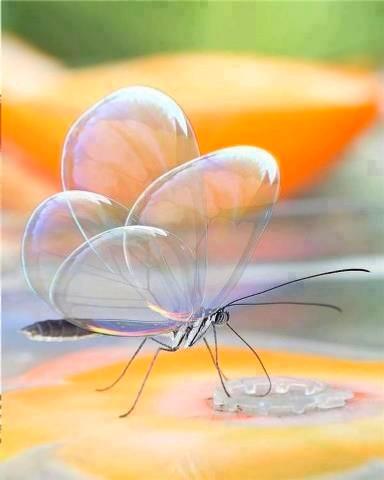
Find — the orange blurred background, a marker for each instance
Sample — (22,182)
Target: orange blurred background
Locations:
(304,105)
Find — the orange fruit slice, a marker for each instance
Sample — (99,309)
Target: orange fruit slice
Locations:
(174,433)
(305,114)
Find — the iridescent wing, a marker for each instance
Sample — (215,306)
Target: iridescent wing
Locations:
(218,205)
(104,277)
(123,143)
(58,226)
(128,281)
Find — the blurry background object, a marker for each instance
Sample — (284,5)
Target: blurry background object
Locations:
(29,70)
(306,114)
(81,33)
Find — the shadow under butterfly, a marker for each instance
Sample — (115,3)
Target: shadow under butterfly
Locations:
(148,238)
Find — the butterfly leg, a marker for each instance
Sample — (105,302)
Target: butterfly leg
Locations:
(258,358)
(217,350)
(218,370)
(138,395)
(213,359)
(124,369)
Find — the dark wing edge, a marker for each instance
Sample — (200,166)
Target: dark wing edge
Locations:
(55,331)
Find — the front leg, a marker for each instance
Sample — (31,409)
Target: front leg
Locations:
(146,376)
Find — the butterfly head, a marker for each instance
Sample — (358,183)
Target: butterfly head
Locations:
(220,317)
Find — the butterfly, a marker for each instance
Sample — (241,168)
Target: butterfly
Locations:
(148,238)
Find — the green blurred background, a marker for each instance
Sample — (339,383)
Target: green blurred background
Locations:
(86,32)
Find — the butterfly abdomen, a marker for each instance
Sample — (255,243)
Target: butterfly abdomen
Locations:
(55,331)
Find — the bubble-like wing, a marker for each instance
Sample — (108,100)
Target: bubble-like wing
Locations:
(147,288)
(58,226)
(124,142)
(218,205)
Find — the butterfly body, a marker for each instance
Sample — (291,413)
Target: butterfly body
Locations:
(65,330)
(189,334)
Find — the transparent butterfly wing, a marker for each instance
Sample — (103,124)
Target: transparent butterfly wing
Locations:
(176,203)
(58,226)
(147,288)
(218,205)
(124,142)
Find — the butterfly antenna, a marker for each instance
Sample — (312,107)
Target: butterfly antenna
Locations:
(219,372)
(138,395)
(343,270)
(125,368)
(312,304)
(258,358)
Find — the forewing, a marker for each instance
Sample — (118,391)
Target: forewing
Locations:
(58,226)
(146,289)
(218,205)
(123,143)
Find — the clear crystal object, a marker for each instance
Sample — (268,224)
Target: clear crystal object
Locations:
(289,396)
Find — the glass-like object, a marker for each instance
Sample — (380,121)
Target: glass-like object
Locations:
(218,205)
(124,142)
(58,226)
(127,281)
(289,396)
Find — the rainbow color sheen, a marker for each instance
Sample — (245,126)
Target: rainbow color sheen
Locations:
(218,203)
(58,226)
(124,142)
(127,281)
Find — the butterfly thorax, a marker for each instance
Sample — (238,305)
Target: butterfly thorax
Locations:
(190,333)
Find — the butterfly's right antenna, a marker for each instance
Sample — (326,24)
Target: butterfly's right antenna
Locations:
(343,270)
(238,301)
(311,304)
